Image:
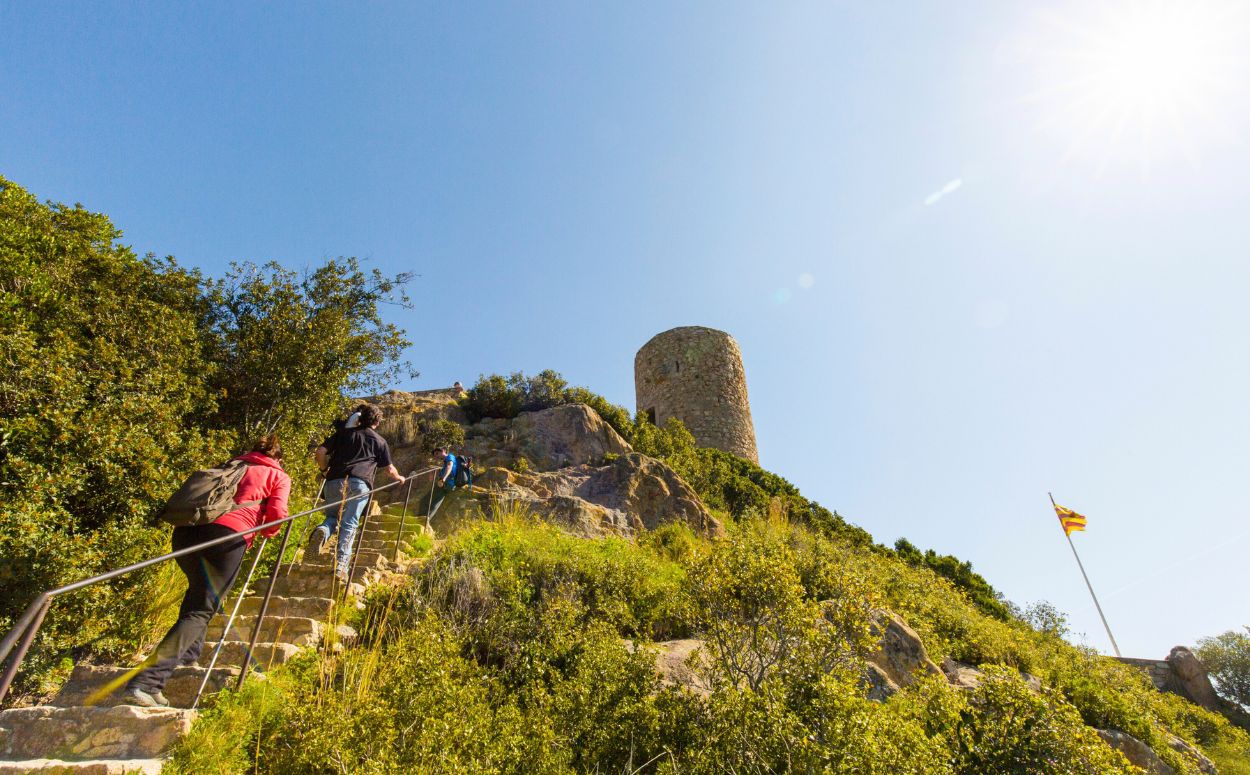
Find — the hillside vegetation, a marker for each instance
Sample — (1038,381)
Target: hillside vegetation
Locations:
(515,647)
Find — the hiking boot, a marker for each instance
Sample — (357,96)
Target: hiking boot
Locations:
(341,575)
(317,541)
(144,699)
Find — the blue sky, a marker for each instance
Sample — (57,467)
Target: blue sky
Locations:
(963,271)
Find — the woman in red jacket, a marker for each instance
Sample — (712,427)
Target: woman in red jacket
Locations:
(211,572)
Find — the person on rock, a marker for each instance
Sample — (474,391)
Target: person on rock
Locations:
(263,493)
(445,477)
(349,460)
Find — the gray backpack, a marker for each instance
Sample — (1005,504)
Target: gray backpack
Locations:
(206,495)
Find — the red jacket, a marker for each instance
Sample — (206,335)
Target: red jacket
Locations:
(264,480)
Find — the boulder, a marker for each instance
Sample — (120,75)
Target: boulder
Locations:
(682,663)
(900,654)
(550,439)
(878,685)
(1200,760)
(1137,752)
(961,675)
(632,493)
(1191,679)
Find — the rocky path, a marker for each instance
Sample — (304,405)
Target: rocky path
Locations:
(84,730)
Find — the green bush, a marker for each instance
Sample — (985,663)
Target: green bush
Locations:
(505,398)
(444,434)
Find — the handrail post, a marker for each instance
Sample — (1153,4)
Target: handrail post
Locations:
(403,517)
(264,608)
(430,505)
(358,540)
(238,601)
(27,638)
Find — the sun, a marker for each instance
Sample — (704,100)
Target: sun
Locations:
(1140,82)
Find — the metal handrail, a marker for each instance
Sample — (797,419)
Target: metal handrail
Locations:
(28,624)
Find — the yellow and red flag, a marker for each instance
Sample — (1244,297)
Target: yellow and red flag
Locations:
(1070,520)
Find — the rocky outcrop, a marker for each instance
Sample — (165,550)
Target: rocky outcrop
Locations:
(1190,679)
(961,675)
(900,654)
(632,493)
(1199,759)
(548,440)
(1137,752)
(682,663)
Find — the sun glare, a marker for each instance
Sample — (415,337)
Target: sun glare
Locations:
(1140,82)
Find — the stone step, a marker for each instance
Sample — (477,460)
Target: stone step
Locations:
(305,585)
(234,653)
(86,767)
(313,607)
(117,732)
(368,556)
(299,630)
(102,685)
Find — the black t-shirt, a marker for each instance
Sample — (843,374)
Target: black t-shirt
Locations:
(356,452)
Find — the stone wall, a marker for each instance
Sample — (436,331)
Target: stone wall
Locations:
(695,374)
(1159,671)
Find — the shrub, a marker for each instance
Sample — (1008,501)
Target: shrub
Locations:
(505,398)
(441,433)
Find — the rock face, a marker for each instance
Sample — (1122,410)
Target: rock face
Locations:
(899,658)
(550,439)
(1137,752)
(120,732)
(632,493)
(1191,680)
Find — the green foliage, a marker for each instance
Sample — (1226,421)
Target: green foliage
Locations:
(506,654)
(960,573)
(101,387)
(762,622)
(444,434)
(1006,727)
(1227,659)
(497,396)
(124,373)
(529,563)
(291,347)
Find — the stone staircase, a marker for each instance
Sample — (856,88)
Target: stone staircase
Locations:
(84,730)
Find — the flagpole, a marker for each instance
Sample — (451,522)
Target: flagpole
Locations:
(1085,576)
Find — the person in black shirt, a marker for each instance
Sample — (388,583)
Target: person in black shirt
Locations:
(349,460)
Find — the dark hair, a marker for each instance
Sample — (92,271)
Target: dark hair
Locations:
(438,449)
(370,415)
(268,445)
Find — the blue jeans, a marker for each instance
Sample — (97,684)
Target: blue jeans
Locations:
(344,516)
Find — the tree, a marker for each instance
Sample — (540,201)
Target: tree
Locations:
(102,398)
(292,348)
(1227,659)
(122,374)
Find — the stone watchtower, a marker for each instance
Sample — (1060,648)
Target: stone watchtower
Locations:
(695,374)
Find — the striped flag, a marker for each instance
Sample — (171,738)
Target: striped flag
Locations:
(1070,520)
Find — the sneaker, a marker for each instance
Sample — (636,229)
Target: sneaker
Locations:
(317,541)
(341,575)
(144,699)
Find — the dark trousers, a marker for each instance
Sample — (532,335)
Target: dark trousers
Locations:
(210,574)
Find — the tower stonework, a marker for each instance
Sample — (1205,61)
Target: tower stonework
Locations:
(695,374)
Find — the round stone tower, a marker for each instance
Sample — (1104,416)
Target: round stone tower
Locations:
(695,374)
